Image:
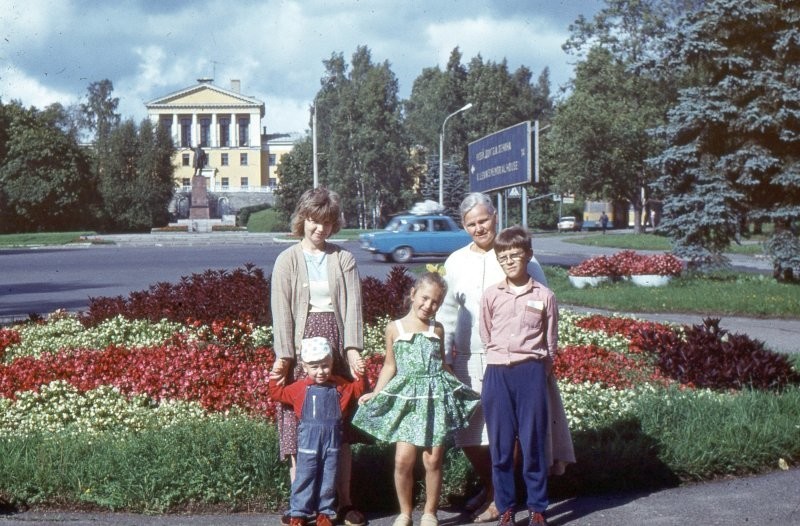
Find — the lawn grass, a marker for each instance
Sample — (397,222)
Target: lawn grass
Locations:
(722,293)
(42,238)
(630,241)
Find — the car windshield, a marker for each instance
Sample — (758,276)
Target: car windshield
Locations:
(394,225)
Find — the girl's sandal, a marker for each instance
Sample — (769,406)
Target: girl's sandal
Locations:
(402,520)
(428,519)
(490,514)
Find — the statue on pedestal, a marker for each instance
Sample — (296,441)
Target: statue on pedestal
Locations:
(200,160)
(199,207)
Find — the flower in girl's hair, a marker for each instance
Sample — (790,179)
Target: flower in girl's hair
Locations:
(435,267)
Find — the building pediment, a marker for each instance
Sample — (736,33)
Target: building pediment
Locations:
(208,96)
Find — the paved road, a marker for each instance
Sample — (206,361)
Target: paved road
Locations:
(48,278)
(768,499)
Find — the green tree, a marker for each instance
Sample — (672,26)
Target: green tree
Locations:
(296,176)
(500,99)
(435,95)
(136,176)
(732,137)
(45,180)
(367,155)
(600,139)
(98,114)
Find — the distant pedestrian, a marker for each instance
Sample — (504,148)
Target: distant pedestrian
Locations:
(604,221)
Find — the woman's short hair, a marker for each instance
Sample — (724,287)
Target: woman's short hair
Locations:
(319,205)
(475,199)
(511,238)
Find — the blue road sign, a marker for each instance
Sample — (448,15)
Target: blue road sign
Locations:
(501,160)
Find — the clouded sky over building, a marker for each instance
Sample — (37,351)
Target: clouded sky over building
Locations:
(52,50)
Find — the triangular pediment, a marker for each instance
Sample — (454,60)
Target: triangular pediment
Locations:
(205,95)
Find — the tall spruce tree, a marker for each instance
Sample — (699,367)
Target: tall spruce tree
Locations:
(734,135)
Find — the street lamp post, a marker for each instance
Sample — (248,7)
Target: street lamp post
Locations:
(314,143)
(441,152)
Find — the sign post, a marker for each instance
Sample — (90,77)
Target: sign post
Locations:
(503,160)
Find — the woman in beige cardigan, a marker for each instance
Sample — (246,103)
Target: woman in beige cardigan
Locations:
(316,291)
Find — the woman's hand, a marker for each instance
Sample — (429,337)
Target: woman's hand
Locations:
(356,362)
(365,398)
(280,369)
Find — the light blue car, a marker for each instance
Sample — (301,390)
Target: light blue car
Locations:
(412,235)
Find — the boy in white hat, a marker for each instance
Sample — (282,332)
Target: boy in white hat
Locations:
(320,401)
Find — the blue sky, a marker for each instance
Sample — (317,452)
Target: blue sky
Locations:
(52,49)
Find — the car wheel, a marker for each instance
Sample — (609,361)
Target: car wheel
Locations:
(402,254)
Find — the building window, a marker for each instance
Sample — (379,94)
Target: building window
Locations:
(225,183)
(166,123)
(225,132)
(185,159)
(205,132)
(224,160)
(244,126)
(243,159)
(185,182)
(273,159)
(244,182)
(273,182)
(186,133)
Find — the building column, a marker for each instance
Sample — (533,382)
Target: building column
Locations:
(176,130)
(234,131)
(214,131)
(195,139)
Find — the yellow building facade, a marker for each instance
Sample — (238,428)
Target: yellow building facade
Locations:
(227,125)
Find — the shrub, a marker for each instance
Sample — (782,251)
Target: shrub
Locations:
(386,298)
(214,295)
(708,356)
(244,213)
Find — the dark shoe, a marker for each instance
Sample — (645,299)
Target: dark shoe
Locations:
(323,520)
(537,519)
(507,518)
(297,521)
(286,518)
(352,517)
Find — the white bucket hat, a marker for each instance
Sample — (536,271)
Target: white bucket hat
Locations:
(315,349)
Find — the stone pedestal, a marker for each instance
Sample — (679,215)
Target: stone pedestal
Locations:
(199,207)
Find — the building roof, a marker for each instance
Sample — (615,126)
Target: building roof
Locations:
(206,95)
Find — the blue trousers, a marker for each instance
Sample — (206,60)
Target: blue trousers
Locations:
(319,437)
(514,400)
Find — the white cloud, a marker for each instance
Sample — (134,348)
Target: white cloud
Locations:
(15,85)
(53,49)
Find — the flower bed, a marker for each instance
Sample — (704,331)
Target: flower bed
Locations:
(625,264)
(87,378)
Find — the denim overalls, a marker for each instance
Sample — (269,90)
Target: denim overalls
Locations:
(319,437)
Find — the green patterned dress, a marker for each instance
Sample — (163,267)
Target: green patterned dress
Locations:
(423,403)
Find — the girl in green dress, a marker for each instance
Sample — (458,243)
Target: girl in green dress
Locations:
(417,402)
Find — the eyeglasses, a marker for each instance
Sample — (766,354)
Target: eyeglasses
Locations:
(507,259)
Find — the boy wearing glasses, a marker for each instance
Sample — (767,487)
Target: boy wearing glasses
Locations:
(519,327)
